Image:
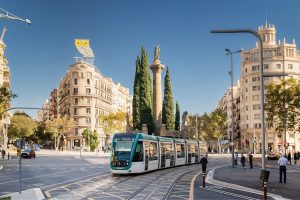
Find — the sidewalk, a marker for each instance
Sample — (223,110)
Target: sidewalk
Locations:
(250,178)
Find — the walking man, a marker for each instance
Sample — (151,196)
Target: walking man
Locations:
(282,162)
(243,160)
(290,158)
(203,162)
(251,160)
(295,158)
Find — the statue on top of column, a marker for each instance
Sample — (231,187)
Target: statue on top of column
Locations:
(156,53)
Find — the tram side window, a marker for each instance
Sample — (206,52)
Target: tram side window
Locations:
(169,150)
(138,154)
(192,149)
(197,149)
(153,151)
(180,150)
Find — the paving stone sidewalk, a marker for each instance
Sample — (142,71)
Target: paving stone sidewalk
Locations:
(250,178)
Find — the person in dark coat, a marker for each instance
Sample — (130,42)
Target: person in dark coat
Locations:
(243,160)
(203,162)
(251,161)
(289,157)
(295,158)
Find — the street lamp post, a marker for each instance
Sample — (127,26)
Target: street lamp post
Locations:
(229,52)
(263,159)
(196,131)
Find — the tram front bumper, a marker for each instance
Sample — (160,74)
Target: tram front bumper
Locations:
(120,171)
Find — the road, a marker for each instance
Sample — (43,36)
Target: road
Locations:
(48,171)
(68,177)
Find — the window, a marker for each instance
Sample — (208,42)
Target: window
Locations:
(246,70)
(88,90)
(76,101)
(290,66)
(256,107)
(191,149)
(266,66)
(88,120)
(246,107)
(246,80)
(88,101)
(88,110)
(88,81)
(139,152)
(153,151)
(75,111)
(291,135)
(246,117)
(180,150)
(255,68)
(167,149)
(255,88)
(75,91)
(256,78)
(246,89)
(75,81)
(278,66)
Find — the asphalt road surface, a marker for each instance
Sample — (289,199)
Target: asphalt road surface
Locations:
(48,171)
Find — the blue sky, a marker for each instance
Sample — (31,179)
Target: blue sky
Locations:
(40,54)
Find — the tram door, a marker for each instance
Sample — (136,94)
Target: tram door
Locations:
(189,154)
(163,156)
(197,154)
(172,156)
(146,155)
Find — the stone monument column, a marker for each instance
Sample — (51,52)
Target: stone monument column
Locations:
(157,69)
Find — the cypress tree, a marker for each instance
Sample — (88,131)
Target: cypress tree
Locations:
(136,96)
(177,117)
(168,104)
(145,93)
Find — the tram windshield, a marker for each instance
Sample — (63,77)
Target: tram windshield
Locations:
(121,148)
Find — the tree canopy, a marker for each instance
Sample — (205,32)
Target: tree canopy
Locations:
(21,127)
(168,104)
(113,122)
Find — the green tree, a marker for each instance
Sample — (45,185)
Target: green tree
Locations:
(282,105)
(177,117)
(21,127)
(145,93)
(136,96)
(113,123)
(168,104)
(93,137)
(218,124)
(59,128)
(5,97)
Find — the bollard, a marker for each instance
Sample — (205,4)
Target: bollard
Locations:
(265,190)
(7,155)
(203,179)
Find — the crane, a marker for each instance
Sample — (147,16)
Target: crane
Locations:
(6,15)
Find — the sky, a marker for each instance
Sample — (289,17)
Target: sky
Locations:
(40,54)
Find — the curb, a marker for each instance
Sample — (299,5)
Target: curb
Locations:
(1,167)
(32,194)
(209,179)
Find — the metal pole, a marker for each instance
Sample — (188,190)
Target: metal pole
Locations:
(196,131)
(232,134)
(285,147)
(261,84)
(20,167)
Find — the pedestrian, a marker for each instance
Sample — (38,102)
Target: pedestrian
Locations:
(290,158)
(250,160)
(295,158)
(236,155)
(298,155)
(3,153)
(203,162)
(243,161)
(282,162)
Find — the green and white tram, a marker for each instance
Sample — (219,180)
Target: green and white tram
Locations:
(139,153)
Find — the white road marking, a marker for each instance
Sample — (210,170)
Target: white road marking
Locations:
(37,176)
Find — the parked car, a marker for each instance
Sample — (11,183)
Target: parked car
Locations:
(36,147)
(28,153)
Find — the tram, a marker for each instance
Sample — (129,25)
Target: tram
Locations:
(138,153)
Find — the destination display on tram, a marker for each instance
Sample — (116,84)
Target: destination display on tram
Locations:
(124,139)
